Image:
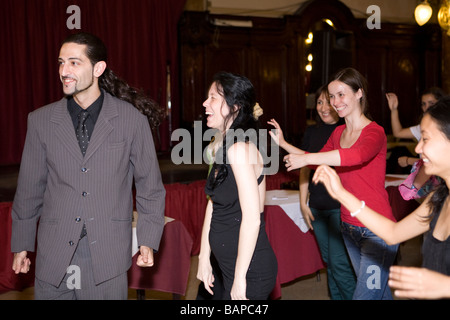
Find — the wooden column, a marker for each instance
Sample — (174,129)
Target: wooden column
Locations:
(446,62)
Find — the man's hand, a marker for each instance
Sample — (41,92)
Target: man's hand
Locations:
(145,259)
(21,264)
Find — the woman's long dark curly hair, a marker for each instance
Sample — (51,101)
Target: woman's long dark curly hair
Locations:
(440,113)
(239,95)
(96,51)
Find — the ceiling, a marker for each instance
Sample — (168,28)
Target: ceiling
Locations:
(401,11)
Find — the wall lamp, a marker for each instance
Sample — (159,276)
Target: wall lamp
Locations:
(424,10)
(423,13)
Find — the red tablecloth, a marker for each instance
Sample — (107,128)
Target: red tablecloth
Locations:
(400,207)
(169,274)
(297,252)
(8,279)
(172,263)
(187,203)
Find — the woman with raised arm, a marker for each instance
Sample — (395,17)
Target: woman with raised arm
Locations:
(431,218)
(358,151)
(418,184)
(321,212)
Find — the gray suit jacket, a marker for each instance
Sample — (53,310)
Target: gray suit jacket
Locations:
(59,189)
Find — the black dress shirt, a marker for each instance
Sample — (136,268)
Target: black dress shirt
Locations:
(94,110)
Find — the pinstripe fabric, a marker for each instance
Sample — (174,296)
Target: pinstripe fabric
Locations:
(113,289)
(57,185)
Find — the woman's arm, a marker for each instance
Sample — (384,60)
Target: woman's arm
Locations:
(278,137)
(296,161)
(303,195)
(329,155)
(405,161)
(397,130)
(244,161)
(391,232)
(204,271)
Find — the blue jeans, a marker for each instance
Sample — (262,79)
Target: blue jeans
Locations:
(371,258)
(327,229)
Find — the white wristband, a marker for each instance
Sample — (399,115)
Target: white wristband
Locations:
(363,204)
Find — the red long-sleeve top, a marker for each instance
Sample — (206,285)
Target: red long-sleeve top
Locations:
(363,169)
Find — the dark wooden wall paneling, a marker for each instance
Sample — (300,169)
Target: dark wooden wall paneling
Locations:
(405,59)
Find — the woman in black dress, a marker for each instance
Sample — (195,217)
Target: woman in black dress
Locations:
(234,229)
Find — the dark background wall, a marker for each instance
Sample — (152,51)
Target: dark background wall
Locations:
(272,53)
(146,38)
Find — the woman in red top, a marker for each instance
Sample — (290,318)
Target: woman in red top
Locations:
(357,150)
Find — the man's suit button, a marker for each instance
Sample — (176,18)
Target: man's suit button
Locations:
(70,243)
(84,169)
(84,194)
(77,219)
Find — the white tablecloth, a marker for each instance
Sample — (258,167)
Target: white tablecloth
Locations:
(289,201)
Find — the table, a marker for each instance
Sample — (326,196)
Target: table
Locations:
(289,201)
(400,207)
(8,279)
(296,249)
(170,272)
(187,202)
(294,245)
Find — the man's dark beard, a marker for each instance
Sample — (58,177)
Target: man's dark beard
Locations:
(81,90)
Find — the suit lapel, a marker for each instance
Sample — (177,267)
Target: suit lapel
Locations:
(103,126)
(65,131)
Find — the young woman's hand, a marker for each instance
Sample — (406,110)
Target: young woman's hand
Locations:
(277,136)
(418,283)
(295,161)
(238,290)
(392,101)
(204,274)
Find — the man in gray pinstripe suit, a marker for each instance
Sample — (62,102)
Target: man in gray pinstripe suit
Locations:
(80,207)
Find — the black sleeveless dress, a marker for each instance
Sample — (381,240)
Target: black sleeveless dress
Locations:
(224,239)
(436,253)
